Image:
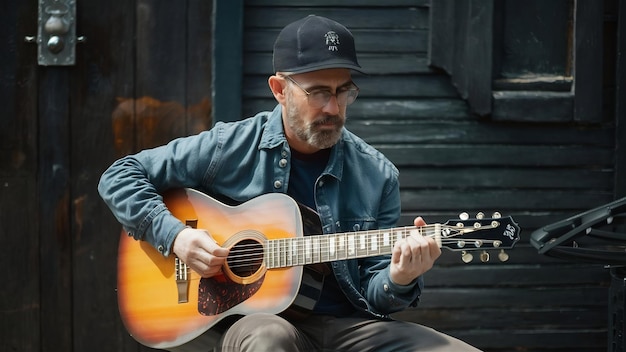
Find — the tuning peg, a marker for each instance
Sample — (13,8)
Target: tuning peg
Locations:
(484,256)
(496,215)
(480,215)
(466,256)
(464,216)
(503,256)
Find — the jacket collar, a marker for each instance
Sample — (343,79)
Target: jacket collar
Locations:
(274,136)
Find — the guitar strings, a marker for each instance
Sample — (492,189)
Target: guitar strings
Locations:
(256,255)
(305,253)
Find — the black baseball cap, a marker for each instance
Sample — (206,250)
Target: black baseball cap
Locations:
(314,43)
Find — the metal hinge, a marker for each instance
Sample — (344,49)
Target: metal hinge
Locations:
(56,35)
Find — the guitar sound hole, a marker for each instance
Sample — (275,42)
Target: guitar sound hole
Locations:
(246,257)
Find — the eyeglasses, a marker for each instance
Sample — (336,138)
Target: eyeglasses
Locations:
(319,98)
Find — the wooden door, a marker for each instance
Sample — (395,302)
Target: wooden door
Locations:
(141,78)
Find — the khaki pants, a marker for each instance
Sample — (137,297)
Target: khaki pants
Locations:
(271,333)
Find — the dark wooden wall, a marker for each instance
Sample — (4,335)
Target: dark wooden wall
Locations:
(145,76)
(142,77)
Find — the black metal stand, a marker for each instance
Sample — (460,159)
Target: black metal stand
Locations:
(594,236)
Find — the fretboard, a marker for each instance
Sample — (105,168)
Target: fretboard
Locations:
(288,252)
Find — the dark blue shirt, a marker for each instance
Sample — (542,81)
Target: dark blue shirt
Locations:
(305,170)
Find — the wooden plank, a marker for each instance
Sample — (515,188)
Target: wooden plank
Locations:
(395,130)
(443,109)
(562,277)
(552,83)
(335,3)
(504,201)
(103,84)
(561,340)
(410,18)
(459,69)
(441,47)
(588,82)
(20,327)
(502,155)
(516,298)
(161,63)
(461,37)
(227,60)
(620,105)
(495,319)
(479,56)
(479,178)
(54,208)
(532,106)
(199,66)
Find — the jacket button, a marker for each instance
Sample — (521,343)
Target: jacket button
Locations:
(282,162)
(386,287)
(160,248)
(278,184)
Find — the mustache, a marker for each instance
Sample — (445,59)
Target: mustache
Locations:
(334,119)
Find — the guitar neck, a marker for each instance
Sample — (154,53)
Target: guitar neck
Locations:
(288,252)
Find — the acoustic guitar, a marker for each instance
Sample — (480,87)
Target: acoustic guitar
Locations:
(166,305)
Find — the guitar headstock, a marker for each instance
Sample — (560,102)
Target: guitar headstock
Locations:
(480,233)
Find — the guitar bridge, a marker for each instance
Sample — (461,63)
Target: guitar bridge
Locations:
(182,280)
(182,270)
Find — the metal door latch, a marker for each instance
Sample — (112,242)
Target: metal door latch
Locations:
(56,35)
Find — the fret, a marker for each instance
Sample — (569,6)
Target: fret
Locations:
(283,252)
(437,234)
(324,249)
(374,243)
(362,251)
(307,251)
(277,254)
(316,249)
(351,246)
(294,251)
(341,247)
(268,255)
(300,252)
(288,252)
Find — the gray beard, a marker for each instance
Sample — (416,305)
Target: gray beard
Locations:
(309,133)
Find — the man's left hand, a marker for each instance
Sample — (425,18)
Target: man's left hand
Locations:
(413,256)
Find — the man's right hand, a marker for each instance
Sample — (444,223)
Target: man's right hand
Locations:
(197,249)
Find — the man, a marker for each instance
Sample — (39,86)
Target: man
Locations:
(302,149)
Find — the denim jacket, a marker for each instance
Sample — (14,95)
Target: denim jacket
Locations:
(358,191)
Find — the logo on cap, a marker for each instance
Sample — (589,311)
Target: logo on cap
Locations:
(332,40)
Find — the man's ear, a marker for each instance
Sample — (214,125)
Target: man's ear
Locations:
(277,86)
